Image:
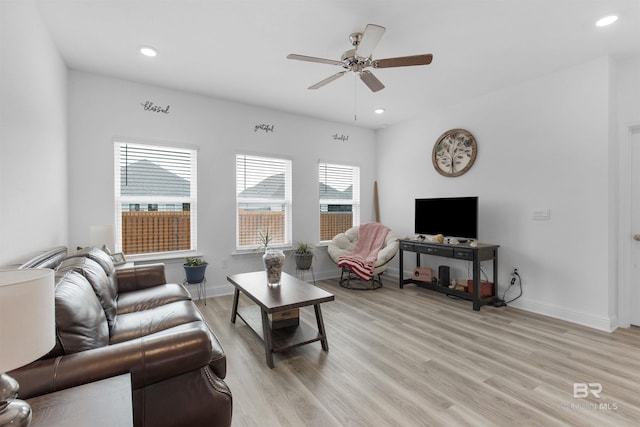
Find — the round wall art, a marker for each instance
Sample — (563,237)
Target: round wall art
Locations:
(454,152)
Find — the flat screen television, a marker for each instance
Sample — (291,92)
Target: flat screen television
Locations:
(450,216)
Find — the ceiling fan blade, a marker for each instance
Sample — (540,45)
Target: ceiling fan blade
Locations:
(313,59)
(403,61)
(370,80)
(327,80)
(370,39)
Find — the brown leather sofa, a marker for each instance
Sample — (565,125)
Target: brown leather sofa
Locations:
(110,322)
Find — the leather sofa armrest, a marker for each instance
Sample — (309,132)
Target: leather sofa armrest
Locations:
(140,277)
(149,359)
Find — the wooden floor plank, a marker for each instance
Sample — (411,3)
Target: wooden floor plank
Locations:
(412,357)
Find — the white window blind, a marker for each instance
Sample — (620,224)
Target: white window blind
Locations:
(263,200)
(339,199)
(155,198)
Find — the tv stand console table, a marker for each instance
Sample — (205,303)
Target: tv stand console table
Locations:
(477,254)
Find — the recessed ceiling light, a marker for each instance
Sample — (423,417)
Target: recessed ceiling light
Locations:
(607,20)
(379,110)
(148,51)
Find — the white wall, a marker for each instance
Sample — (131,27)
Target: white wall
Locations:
(33,135)
(628,93)
(102,108)
(627,105)
(541,144)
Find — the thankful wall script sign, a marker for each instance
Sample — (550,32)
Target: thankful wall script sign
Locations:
(149,106)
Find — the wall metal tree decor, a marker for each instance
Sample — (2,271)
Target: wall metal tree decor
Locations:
(454,152)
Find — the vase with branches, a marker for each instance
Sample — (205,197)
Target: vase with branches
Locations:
(273,259)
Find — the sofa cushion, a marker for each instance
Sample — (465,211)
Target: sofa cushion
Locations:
(80,320)
(138,324)
(104,288)
(144,299)
(99,256)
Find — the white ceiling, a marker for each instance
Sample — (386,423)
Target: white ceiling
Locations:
(236,49)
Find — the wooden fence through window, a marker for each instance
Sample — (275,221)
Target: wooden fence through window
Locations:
(250,223)
(149,232)
(332,223)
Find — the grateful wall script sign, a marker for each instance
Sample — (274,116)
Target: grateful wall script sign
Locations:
(264,127)
(149,106)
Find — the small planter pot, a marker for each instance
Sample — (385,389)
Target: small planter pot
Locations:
(195,273)
(303,261)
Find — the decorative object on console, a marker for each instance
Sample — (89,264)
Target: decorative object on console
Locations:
(423,274)
(25,335)
(486,288)
(454,152)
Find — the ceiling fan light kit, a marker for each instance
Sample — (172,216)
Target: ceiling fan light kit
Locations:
(359,58)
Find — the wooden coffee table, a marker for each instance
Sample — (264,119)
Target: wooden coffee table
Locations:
(291,293)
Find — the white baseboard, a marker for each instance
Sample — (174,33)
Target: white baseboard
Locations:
(590,320)
(602,323)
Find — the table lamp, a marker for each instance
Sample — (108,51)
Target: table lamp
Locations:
(27,332)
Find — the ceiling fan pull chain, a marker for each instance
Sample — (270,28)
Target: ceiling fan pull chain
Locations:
(355,102)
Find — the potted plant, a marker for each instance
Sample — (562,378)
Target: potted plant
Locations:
(303,256)
(194,269)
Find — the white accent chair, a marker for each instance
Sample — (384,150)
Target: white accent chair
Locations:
(343,244)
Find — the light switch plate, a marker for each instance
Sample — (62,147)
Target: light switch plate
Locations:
(543,214)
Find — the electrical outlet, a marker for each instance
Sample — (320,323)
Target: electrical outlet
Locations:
(225,263)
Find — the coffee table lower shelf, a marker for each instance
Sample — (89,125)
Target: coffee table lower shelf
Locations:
(281,339)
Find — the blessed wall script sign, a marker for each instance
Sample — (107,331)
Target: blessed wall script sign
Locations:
(149,106)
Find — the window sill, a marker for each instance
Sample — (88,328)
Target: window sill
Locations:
(163,257)
(258,251)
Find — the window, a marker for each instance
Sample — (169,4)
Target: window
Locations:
(339,199)
(263,200)
(155,197)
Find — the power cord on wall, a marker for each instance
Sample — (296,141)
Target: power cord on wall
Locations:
(515,277)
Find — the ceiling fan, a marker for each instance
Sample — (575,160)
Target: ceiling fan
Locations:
(359,58)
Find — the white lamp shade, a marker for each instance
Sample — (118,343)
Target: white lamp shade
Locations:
(27,316)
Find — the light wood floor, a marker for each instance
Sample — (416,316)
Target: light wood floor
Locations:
(412,357)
